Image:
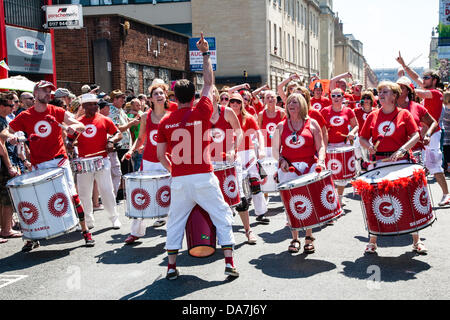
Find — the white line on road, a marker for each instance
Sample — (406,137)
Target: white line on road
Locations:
(6,280)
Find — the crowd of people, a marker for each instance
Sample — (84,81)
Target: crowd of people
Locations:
(296,124)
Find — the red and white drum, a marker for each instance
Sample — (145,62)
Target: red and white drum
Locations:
(200,233)
(44,204)
(310,200)
(228,182)
(395,199)
(341,161)
(147,194)
(268,184)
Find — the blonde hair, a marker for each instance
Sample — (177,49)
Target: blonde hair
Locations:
(394,87)
(304,108)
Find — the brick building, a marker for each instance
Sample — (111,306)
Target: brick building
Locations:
(117,52)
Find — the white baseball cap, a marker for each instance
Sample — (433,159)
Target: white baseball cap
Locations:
(88,97)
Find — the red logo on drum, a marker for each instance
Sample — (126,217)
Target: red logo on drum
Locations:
(330,196)
(140,199)
(300,207)
(386,209)
(28,212)
(58,204)
(163,196)
(423,198)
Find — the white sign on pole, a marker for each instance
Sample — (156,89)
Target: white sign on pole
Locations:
(64,16)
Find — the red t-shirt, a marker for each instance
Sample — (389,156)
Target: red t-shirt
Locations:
(250,128)
(393,129)
(258,105)
(251,110)
(351,101)
(173,106)
(316,115)
(418,111)
(434,105)
(361,117)
(184,132)
(337,123)
(151,131)
(222,135)
(319,104)
(269,125)
(95,137)
(299,147)
(50,143)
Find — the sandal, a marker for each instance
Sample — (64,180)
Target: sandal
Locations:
(371,248)
(293,248)
(13,235)
(420,248)
(308,248)
(251,239)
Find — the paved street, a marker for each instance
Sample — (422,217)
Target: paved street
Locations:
(63,268)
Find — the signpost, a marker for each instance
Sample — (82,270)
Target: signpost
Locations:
(195,56)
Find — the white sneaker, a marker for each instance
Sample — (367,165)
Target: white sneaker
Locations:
(342,201)
(116,224)
(445,200)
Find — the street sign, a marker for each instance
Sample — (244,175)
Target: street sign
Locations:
(195,56)
(63,16)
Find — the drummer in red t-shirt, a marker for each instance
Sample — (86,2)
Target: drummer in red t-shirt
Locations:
(319,101)
(269,118)
(48,150)
(339,119)
(394,132)
(193,181)
(433,101)
(159,105)
(339,82)
(296,142)
(94,142)
(361,113)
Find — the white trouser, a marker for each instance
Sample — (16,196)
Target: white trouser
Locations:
(116,172)
(202,189)
(85,182)
(63,164)
(138,225)
(432,156)
(243,158)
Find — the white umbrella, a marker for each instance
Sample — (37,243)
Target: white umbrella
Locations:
(19,83)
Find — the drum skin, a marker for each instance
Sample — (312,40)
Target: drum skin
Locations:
(200,233)
(397,210)
(87,165)
(341,161)
(228,184)
(43,204)
(268,184)
(310,204)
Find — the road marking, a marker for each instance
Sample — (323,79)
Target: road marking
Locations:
(6,280)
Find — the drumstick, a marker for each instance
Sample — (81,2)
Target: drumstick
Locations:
(93,154)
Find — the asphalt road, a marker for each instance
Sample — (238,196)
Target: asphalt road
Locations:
(63,269)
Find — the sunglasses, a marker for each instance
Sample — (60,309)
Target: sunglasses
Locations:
(235,101)
(336,95)
(8,105)
(16,101)
(426,77)
(224,98)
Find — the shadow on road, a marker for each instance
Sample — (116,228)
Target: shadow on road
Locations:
(131,254)
(163,289)
(390,269)
(284,265)
(391,241)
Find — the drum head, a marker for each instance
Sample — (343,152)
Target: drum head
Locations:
(222,166)
(340,149)
(145,175)
(392,172)
(34,177)
(304,180)
(89,159)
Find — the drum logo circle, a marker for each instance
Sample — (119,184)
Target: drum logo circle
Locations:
(421,200)
(58,204)
(386,128)
(300,207)
(328,198)
(335,166)
(351,163)
(43,129)
(163,196)
(294,144)
(28,212)
(230,186)
(337,121)
(388,209)
(140,199)
(90,131)
(365,115)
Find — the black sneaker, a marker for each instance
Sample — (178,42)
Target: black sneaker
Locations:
(30,245)
(262,219)
(231,271)
(88,239)
(173,275)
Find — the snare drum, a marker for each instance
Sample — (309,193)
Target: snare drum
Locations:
(44,204)
(270,166)
(341,161)
(310,200)
(395,199)
(200,233)
(147,194)
(87,165)
(226,173)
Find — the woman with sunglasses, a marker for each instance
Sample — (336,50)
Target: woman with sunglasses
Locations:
(296,143)
(389,133)
(246,161)
(361,113)
(339,119)
(224,97)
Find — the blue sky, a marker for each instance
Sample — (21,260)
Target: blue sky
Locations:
(387,26)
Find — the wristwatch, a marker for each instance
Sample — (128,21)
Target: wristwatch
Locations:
(207,53)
